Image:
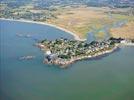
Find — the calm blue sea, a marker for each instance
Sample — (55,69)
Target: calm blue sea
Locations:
(107,78)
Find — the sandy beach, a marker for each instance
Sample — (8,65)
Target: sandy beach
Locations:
(76,37)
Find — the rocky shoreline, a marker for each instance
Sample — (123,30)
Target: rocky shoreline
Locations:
(64,52)
(71,61)
(64,64)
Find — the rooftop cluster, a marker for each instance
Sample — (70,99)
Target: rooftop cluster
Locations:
(64,51)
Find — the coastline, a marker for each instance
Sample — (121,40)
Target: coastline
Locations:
(71,61)
(64,64)
(76,37)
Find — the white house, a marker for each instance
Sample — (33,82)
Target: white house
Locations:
(123,41)
(48,52)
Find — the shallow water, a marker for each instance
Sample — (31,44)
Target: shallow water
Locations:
(108,78)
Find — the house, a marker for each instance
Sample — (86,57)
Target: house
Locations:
(48,52)
(123,41)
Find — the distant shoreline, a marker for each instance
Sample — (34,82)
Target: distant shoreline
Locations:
(76,37)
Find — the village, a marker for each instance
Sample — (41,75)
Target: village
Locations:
(64,51)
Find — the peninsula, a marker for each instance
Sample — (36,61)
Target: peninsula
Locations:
(64,52)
